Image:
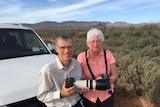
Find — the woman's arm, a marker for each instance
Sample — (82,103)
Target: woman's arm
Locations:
(113,73)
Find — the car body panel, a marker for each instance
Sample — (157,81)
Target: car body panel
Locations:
(20,79)
(19,73)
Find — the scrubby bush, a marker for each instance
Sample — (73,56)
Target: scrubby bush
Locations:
(136,50)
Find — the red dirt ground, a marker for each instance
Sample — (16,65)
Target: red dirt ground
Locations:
(126,101)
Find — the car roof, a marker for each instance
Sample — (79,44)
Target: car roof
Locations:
(12,26)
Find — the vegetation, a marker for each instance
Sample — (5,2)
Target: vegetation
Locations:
(137,50)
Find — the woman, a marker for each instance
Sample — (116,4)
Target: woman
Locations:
(94,66)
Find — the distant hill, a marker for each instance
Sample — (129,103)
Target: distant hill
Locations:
(73,25)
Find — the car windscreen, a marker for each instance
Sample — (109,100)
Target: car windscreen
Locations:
(19,43)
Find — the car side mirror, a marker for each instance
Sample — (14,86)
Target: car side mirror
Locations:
(50,46)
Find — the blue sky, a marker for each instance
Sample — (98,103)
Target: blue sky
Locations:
(35,11)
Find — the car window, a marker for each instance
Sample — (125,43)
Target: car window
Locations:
(20,43)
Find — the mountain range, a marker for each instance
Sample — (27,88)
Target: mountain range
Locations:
(76,25)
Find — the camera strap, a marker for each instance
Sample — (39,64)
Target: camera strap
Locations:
(105,61)
(90,67)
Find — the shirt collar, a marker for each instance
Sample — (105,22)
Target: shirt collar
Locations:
(60,65)
(100,54)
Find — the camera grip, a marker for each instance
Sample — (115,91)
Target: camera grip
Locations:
(69,82)
(103,84)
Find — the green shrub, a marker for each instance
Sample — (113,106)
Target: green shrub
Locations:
(136,50)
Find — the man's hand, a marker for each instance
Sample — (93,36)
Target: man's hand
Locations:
(66,92)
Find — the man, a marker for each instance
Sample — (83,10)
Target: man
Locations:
(52,86)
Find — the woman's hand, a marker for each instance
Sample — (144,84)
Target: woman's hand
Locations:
(85,90)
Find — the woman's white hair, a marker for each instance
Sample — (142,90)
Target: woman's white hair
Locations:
(95,32)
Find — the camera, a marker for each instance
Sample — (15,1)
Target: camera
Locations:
(69,82)
(101,84)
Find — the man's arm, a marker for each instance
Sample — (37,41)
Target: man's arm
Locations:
(47,89)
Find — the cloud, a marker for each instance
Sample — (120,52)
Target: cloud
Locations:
(72,10)
(48,13)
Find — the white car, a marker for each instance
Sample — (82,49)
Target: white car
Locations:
(22,54)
